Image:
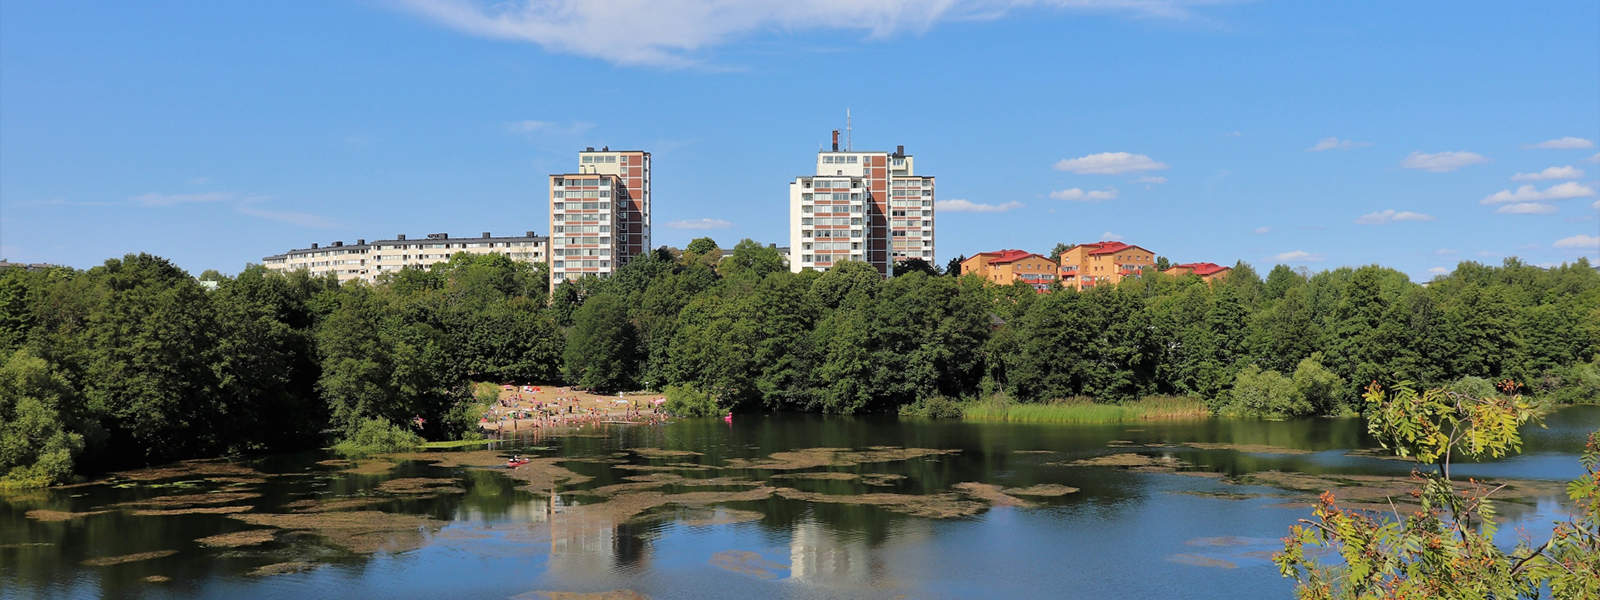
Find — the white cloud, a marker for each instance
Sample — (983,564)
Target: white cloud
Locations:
(532,127)
(1527,208)
(1297,256)
(1595,158)
(1596,205)
(1109,163)
(1234,133)
(1442,161)
(290,217)
(1263,229)
(700,224)
(1151,179)
(964,205)
(1384,217)
(1333,143)
(1564,143)
(1444,251)
(1110,236)
(1081,195)
(1438,270)
(155,199)
(1528,193)
(1567,172)
(1579,241)
(676,33)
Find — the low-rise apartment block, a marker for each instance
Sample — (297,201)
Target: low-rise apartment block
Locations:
(367,261)
(1005,267)
(1088,265)
(1208,272)
(867,206)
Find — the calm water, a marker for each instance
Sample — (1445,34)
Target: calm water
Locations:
(1126,533)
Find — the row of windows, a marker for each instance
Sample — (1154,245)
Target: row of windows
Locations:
(901,213)
(833,183)
(562,264)
(566,240)
(575,182)
(829,233)
(838,160)
(560,206)
(813,258)
(909,223)
(609,158)
(830,221)
(910,203)
(581,252)
(831,246)
(582,229)
(558,276)
(583,194)
(838,208)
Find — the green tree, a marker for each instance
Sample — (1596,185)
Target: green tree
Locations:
(37,415)
(602,346)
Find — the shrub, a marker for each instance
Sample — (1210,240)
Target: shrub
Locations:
(1474,387)
(1317,386)
(375,436)
(1265,394)
(687,401)
(935,407)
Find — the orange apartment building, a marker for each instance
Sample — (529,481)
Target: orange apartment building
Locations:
(1087,265)
(1208,272)
(1007,266)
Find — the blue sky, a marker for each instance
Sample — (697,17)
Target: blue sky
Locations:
(1319,134)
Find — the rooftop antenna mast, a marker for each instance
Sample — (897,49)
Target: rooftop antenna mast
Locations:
(848,146)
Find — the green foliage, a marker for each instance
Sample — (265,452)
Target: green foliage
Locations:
(933,407)
(602,346)
(686,401)
(37,447)
(1446,549)
(1265,394)
(375,436)
(1081,410)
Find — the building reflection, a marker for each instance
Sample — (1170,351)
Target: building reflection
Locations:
(824,556)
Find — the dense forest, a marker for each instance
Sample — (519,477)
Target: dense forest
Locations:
(137,362)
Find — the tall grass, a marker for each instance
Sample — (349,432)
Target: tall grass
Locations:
(1084,411)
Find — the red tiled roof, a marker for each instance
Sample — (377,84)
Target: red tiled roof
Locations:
(1108,247)
(1203,268)
(1010,256)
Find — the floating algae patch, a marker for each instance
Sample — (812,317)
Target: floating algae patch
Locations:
(233,481)
(190,469)
(248,537)
(25,545)
(189,500)
(362,532)
(933,506)
(542,475)
(625,507)
(992,494)
(283,568)
(468,458)
(1125,459)
(1042,490)
(1247,448)
(1033,451)
(720,516)
(106,561)
(552,595)
(1223,495)
(314,505)
(666,468)
(1228,541)
(420,486)
(1196,560)
(53,516)
(360,467)
(877,479)
(1376,492)
(663,453)
(747,562)
(156,579)
(658,480)
(200,510)
(810,458)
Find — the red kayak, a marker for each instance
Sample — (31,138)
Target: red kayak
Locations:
(512,464)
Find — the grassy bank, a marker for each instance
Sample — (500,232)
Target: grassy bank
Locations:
(1083,411)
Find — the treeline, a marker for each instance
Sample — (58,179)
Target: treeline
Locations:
(137,362)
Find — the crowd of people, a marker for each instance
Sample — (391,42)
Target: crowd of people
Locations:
(521,409)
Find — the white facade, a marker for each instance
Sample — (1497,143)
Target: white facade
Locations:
(583,226)
(367,262)
(862,206)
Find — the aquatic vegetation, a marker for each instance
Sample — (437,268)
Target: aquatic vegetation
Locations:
(877,479)
(189,469)
(248,537)
(1201,561)
(52,516)
(362,532)
(1248,448)
(610,595)
(542,475)
(1150,408)
(187,500)
(746,562)
(283,568)
(810,458)
(932,506)
(663,453)
(106,561)
(420,485)
(156,579)
(311,505)
(719,516)
(1042,490)
(1125,459)
(455,444)
(199,510)
(992,494)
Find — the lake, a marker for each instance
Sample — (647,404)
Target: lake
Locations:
(781,506)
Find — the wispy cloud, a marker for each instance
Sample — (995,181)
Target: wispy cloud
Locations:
(1563,143)
(700,224)
(1384,217)
(1263,229)
(1526,208)
(155,199)
(1581,241)
(1109,163)
(1528,193)
(1441,162)
(1082,195)
(1438,270)
(678,33)
(1567,172)
(964,205)
(529,127)
(1109,236)
(1294,256)
(1333,143)
(250,208)
(1444,251)
(1151,179)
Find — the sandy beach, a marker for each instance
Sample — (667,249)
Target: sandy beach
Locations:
(545,408)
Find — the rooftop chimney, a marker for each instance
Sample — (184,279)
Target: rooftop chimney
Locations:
(900,150)
(605,148)
(338,244)
(361,242)
(313,245)
(400,236)
(589,149)
(835,140)
(530,234)
(485,234)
